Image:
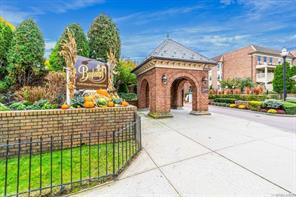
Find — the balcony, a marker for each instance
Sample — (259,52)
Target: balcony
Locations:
(268,65)
(260,77)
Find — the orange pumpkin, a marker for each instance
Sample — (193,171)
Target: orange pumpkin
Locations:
(124,104)
(110,104)
(65,106)
(88,99)
(103,92)
(89,104)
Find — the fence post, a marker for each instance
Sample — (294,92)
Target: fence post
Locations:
(6,167)
(113,160)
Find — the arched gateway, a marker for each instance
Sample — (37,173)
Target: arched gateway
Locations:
(163,75)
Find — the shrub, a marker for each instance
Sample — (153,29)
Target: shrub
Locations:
(290,108)
(242,106)
(55,85)
(31,93)
(252,97)
(255,105)
(291,100)
(41,104)
(272,103)
(128,96)
(225,100)
(3,107)
(18,106)
(77,101)
(232,105)
(239,102)
(280,111)
(272,111)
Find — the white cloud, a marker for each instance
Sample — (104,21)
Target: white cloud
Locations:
(11,11)
(145,17)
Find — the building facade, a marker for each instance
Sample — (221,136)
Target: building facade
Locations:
(254,62)
(165,75)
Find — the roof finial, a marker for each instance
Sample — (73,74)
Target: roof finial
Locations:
(168,35)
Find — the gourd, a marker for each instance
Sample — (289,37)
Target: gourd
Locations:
(65,106)
(101,102)
(124,104)
(110,104)
(103,92)
(89,104)
(88,99)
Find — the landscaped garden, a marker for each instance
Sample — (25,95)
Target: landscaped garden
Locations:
(54,136)
(253,98)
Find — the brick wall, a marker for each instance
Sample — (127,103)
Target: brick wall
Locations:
(238,64)
(23,125)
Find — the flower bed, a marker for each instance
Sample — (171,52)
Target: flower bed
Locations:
(269,105)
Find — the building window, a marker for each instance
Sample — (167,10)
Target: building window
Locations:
(259,59)
(270,60)
(265,59)
(279,61)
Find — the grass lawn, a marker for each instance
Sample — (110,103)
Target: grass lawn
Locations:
(101,161)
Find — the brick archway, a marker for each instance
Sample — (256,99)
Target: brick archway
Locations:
(145,94)
(165,72)
(178,92)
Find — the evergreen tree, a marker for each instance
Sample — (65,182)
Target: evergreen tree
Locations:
(6,34)
(56,61)
(25,56)
(103,36)
(277,82)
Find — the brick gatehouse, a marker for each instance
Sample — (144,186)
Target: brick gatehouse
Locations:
(162,75)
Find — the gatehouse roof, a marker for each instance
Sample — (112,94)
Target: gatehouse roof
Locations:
(172,50)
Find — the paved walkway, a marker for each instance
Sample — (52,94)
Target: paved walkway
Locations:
(215,155)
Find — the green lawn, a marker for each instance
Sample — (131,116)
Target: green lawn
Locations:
(97,168)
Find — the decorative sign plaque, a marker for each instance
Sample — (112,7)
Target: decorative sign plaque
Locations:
(91,74)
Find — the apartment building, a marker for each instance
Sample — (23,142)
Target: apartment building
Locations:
(254,62)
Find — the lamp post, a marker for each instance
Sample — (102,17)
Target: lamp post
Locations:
(284,54)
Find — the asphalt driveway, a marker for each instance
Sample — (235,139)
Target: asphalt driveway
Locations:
(216,155)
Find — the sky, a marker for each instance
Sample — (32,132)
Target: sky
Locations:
(210,27)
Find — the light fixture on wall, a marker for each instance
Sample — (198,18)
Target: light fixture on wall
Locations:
(164,79)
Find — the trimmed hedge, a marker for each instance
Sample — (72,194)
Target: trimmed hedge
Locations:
(249,97)
(290,108)
(225,100)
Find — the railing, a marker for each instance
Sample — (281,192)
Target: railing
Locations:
(64,163)
(260,77)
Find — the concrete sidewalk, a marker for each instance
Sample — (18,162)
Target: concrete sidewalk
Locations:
(215,155)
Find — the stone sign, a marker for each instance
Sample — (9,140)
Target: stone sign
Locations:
(91,74)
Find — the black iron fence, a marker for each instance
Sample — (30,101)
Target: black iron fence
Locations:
(64,163)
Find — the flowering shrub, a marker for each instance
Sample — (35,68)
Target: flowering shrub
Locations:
(272,111)
(232,105)
(255,105)
(242,106)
